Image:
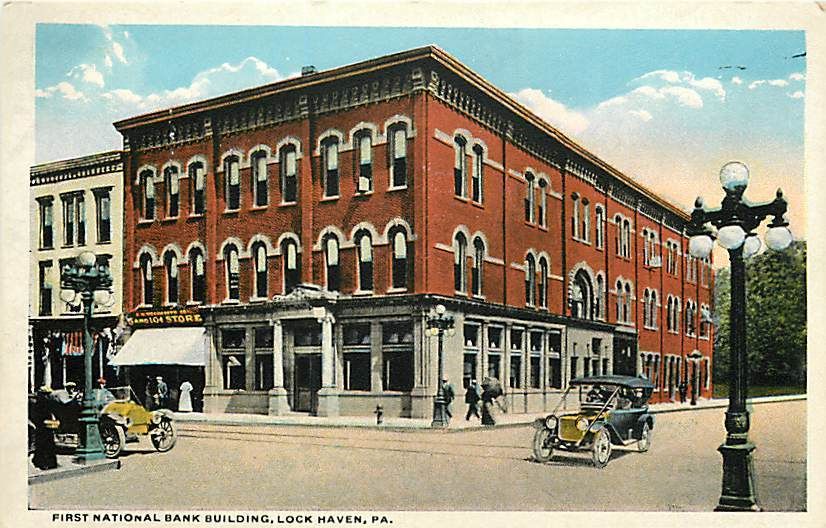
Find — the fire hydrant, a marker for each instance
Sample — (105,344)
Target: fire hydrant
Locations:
(379,414)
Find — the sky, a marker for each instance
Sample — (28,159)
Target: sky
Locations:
(666,107)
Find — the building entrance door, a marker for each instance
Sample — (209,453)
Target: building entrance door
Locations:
(307,382)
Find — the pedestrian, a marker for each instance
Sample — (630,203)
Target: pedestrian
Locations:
(472,397)
(491,391)
(185,400)
(683,391)
(149,394)
(162,392)
(45,452)
(449,395)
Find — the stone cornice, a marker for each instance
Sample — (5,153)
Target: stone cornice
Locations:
(71,169)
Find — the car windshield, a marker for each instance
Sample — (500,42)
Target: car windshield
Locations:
(121,393)
(595,395)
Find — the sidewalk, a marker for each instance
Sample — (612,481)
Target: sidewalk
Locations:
(67,468)
(411,424)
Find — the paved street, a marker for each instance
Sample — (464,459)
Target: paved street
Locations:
(299,468)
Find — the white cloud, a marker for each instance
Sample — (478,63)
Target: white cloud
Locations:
(123,95)
(755,84)
(88,73)
(797,95)
(685,96)
(709,84)
(107,61)
(665,75)
(687,78)
(797,76)
(67,90)
(117,50)
(736,80)
(778,82)
(557,114)
(644,115)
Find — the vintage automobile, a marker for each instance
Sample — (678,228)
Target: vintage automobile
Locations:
(595,413)
(121,419)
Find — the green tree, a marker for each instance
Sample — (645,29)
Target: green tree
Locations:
(775,318)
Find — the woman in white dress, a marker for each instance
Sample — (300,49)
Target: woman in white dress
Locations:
(185,401)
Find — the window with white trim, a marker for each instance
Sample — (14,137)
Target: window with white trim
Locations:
(259,254)
(365,168)
(232,179)
(331,261)
(103,206)
(599,238)
(530,280)
(260,179)
(197,268)
(586,221)
(170,262)
(331,174)
(291,264)
(477,177)
(289,174)
(147,181)
(147,283)
(477,271)
(233,272)
(197,176)
(399,240)
(74,219)
(364,243)
(530,199)
(575,224)
(543,282)
(460,166)
(46,222)
(543,203)
(398,156)
(171,181)
(460,263)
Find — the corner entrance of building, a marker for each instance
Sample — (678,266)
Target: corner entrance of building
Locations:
(307,382)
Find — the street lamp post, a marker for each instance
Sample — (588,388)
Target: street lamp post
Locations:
(437,326)
(735,221)
(92,283)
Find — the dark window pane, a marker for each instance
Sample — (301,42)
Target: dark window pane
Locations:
(516,372)
(357,334)
(397,333)
(535,366)
(494,368)
(234,370)
(233,337)
(468,369)
(357,371)
(263,337)
(263,371)
(397,371)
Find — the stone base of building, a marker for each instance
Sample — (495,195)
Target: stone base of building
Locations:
(278,404)
(327,402)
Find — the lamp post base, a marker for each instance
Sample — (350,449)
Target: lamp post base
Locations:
(90,447)
(439,413)
(739,490)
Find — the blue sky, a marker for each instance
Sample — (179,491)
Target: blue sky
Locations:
(659,105)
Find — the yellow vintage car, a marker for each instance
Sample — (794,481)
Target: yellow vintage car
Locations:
(122,419)
(603,411)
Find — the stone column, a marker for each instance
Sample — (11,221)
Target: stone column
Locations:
(278,403)
(212,373)
(376,359)
(328,394)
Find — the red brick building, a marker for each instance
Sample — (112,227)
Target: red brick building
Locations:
(317,221)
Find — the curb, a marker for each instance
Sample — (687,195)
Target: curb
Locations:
(67,471)
(519,422)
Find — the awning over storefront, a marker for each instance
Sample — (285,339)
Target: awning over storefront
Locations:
(163,346)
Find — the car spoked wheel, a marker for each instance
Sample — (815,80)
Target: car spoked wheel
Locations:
(163,436)
(112,437)
(601,451)
(645,439)
(543,448)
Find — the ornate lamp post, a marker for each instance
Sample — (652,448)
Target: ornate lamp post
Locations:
(735,221)
(437,326)
(90,281)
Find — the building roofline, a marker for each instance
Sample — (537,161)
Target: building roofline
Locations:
(74,163)
(359,68)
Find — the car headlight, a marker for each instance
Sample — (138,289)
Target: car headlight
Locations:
(582,424)
(156,418)
(551,422)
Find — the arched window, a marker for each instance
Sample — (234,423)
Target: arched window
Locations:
(289,179)
(170,262)
(582,296)
(478,261)
(459,263)
(618,234)
(599,298)
(330,156)
(198,177)
(620,301)
(260,179)
(626,308)
(259,254)
(586,220)
(669,313)
(477,178)
(398,157)
(575,224)
(233,271)
(291,265)
(331,260)
(198,272)
(600,232)
(232,179)
(460,166)
(399,259)
(365,255)
(530,280)
(147,179)
(626,236)
(365,170)
(172,191)
(530,199)
(652,310)
(146,279)
(689,317)
(543,203)
(646,309)
(543,282)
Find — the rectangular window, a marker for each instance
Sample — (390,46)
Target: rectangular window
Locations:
(196,172)
(365,183)
(45,288)
(103,203)
(307,335)
(233,359)
(173,192)
(233,179)
(68,221)
(261,191)
(494,366)
(516,371)
(46,223)
(574,361)
(289,180)
(476,178)
(357,370)
(554,373)
(399,161)
(536,380)
(331,170)
(397,370)
(263,341)
(468,369)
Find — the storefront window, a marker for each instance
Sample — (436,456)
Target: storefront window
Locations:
(357,357)
(308,335)
(263,340)
(397,356)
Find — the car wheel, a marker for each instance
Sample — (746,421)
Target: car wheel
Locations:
(543,448)
(645,439)
(601,449)
(163,436)
(112,437)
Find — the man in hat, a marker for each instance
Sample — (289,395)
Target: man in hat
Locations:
(449,395)
(45,452)
(162,392)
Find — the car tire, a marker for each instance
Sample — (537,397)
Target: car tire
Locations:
(644,443)
(543,450)
(164,436)
(601,448)
(112,437)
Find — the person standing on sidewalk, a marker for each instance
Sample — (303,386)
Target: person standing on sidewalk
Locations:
(472,397)
(162,392)
(185,400)
(449,395)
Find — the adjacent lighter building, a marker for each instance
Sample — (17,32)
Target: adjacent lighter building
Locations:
(316,222)
(76,205)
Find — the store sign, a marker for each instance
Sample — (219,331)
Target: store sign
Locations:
(165,317)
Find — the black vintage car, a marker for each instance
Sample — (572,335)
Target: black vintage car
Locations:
(595,413)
